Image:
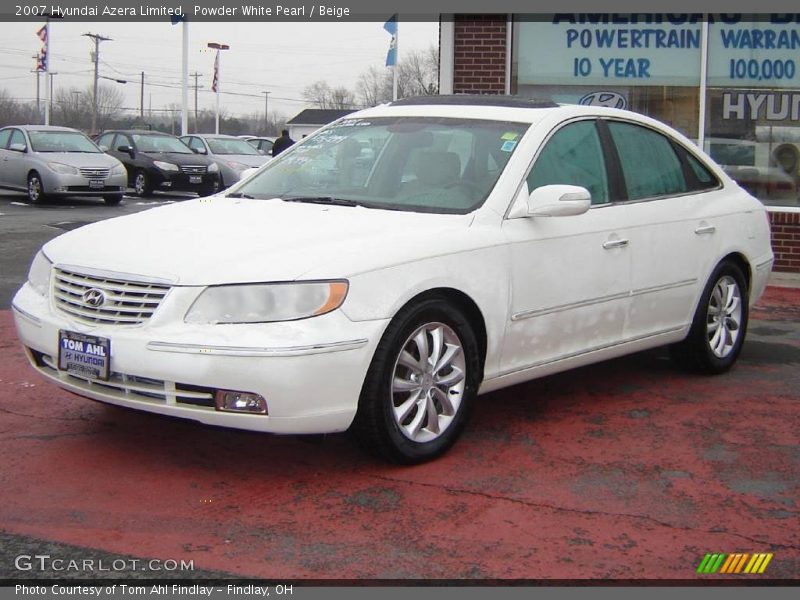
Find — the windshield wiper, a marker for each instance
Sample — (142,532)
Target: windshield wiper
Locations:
(240,195)
(322,200)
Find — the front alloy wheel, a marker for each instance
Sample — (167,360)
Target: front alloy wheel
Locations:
(141,184)
(35,189)
(428,382)
(421,384)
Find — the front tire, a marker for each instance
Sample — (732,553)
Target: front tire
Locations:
(36,193)
(141,184)
(112,199)
(421,384)
(720,323)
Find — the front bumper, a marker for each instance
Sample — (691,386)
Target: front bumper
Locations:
(182,182)
(79,185)
(310,372)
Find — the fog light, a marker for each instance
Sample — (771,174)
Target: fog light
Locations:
(230,401)
(166,184)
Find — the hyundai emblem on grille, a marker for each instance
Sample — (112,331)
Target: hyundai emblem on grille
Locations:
(94,298)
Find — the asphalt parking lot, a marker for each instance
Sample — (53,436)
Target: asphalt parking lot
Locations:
(629,469)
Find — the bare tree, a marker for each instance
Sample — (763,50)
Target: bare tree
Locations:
(14,112)
(109,103)
(321,94)
(417,75)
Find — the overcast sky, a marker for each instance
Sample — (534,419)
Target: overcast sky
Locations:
(282,58)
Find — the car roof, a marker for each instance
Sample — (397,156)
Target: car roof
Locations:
(474,100)
(44,128)
(214,135)
(138,132)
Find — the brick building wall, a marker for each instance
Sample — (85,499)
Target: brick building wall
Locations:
(786,241)
(479,54)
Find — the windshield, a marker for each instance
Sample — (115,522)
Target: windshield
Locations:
(230,146)
(160,143)
(421,164)
(61,141)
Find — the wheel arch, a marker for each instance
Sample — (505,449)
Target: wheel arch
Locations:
(31,171)
(467,305)
(740,261)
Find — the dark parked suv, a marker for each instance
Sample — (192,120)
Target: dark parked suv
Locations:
(158,161)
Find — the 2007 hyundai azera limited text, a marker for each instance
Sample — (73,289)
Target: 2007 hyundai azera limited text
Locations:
(386,270)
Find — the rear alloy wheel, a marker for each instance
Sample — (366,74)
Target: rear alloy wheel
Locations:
(420,385)
(36,193)
(720,323)
(141,184)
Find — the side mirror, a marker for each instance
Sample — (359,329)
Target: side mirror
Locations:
(559,201)
(18,147)
(199,150)
(127,150)
(247,172)
(103,147)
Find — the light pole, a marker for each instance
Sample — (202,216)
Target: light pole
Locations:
(97,39)
(217,77)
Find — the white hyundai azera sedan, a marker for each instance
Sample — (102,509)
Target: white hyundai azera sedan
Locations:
(386,270)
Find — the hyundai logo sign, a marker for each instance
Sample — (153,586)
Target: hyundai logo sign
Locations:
(609,99)
(94,298)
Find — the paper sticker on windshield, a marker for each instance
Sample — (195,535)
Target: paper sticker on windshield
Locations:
(508,146)
(509,136)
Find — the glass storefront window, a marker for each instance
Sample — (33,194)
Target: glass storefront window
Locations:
(651,63)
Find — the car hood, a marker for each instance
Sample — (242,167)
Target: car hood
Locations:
(246,159)
(223,240)
(179,158)
(80,159)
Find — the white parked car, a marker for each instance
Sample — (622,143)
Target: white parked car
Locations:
(480,243)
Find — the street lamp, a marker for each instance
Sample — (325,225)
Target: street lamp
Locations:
(216,81)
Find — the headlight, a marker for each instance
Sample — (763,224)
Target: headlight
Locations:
(236,166)
(267,302)
(39,273)
(213,168)
(118,170)
(165,166)
(63,169)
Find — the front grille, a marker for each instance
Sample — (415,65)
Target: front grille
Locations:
(123,302)
(94,173)
(193,169)
(121,385)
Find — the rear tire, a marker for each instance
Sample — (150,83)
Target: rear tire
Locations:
(36,193)
(112,199)
(720,323)
(421,385)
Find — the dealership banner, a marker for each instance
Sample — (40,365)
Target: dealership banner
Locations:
(658,49)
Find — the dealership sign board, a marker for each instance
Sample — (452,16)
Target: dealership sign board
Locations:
(658,49)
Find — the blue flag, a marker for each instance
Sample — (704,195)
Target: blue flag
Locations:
(391,27)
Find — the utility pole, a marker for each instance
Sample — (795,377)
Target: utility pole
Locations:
(50,104)
(195,75)
(38,101)
(141,100)
(97,39)
(266,117)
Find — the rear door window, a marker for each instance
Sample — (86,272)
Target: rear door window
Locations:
(650,167)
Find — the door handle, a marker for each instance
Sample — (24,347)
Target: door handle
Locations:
(703,229)
(615,244)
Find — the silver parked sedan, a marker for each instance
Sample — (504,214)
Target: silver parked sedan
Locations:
(57,161)
(233,155)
